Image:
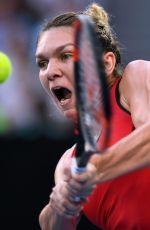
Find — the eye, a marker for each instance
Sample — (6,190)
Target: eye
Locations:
(42,64)
(65,56)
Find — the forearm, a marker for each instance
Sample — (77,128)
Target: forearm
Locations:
(50,220)
(131,153)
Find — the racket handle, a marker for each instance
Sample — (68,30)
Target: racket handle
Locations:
(75,169)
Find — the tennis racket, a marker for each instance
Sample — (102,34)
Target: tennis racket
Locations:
(92,95)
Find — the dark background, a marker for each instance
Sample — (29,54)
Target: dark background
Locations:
(27,168)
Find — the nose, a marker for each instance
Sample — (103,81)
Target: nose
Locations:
(53,70)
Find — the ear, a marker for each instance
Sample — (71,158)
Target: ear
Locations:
(109,62)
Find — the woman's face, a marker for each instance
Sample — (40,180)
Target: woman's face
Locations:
(54,56)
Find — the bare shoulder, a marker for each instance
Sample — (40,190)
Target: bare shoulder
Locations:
(134,91)
(136,70)
(135,81)
(65,161)
(136,76)
(137,63)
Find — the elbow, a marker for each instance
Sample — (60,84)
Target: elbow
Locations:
(43,220)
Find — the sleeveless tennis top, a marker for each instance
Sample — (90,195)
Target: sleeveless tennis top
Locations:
(122,203)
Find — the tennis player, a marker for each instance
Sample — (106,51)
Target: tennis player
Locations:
(115,195)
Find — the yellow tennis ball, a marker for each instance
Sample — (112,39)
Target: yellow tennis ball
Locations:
(5,67)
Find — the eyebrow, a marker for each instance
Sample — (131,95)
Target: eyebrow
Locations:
(57,50)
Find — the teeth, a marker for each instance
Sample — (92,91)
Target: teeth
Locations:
(64,101)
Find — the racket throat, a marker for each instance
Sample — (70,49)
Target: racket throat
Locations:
(82,160)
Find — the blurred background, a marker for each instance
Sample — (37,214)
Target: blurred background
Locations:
(33,134)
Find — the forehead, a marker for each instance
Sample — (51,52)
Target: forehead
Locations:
(55,37)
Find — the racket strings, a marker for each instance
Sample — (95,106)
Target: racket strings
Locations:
(91,89)
(92,82)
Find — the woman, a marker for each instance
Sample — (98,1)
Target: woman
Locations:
(121,203)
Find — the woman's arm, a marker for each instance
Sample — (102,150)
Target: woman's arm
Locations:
(127,155)
(53,216)
(49,219)
(133,151)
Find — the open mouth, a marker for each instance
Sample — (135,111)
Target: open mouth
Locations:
(62,94)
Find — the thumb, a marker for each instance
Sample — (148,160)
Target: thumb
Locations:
(95,158)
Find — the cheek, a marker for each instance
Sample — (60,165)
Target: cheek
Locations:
(69,72)
(44,82)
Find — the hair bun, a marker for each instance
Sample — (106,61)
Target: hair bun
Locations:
(98,14)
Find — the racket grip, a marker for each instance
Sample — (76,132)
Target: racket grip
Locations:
(75,169)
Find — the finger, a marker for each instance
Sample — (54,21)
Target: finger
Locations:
(89,174)
(74,187)
(66,210)
(63,204)
(85,177)
(73,210)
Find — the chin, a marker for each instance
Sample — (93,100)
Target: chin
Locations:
(71,113)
